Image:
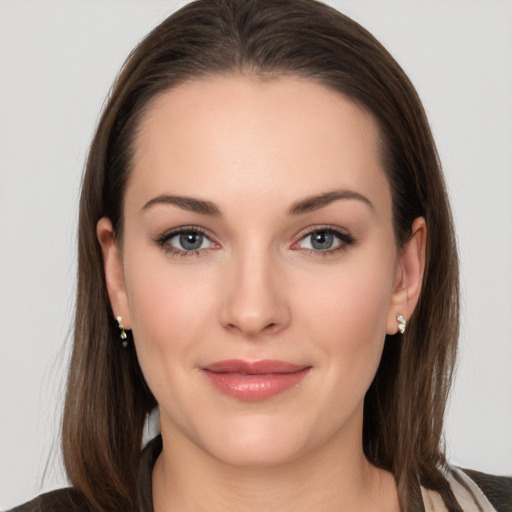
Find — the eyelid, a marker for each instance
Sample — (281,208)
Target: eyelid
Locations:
(343,235)
(163,241)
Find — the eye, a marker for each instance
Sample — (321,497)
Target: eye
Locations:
(325,240)
(185,242)
(189,241)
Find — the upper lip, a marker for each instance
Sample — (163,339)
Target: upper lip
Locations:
(254,367)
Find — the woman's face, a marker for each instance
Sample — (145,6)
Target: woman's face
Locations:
(258,267)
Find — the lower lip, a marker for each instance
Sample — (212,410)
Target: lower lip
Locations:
(255,387)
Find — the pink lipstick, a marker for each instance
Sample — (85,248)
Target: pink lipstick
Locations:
(254,380)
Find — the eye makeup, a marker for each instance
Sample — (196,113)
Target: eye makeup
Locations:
(192,241)
(324,241)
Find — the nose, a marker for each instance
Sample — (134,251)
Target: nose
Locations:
(254,297)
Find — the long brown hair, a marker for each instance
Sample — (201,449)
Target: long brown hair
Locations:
(107,399)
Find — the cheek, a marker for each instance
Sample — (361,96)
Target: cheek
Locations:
(168,306)
(344,309)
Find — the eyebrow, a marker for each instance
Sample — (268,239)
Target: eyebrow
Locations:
(312,203)
(186,203)
(302,206)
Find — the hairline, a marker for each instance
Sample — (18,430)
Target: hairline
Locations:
(251,72)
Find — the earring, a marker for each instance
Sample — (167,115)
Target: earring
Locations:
(122,332)
(401,322)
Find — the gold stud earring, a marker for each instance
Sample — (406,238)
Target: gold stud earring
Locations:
(122,332)
(401,322)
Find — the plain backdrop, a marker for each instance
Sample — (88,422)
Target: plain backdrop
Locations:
(57,61)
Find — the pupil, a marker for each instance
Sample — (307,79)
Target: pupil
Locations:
(322,240)
(191,241)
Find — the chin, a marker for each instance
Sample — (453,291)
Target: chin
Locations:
(256,454)
(257,442)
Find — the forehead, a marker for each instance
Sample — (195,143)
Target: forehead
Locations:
(242,135)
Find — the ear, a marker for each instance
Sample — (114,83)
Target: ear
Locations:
(113,267)
(409,276)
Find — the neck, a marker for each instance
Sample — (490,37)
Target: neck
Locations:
(330,478)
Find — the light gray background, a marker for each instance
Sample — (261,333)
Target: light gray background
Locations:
(57,61)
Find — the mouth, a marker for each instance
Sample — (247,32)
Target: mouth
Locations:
(254,380)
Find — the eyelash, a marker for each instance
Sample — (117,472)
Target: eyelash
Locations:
(345,240)
(163,241)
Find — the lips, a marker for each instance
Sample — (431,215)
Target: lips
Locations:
(254,380)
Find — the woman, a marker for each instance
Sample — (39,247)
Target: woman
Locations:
(259,215)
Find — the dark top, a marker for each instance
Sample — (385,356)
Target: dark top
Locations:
(71,500)
(498,489)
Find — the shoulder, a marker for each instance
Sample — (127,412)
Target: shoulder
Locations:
(61,500)
(72,500)
(497,489)
(472,491)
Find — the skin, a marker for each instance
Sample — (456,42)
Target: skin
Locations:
(258,289)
